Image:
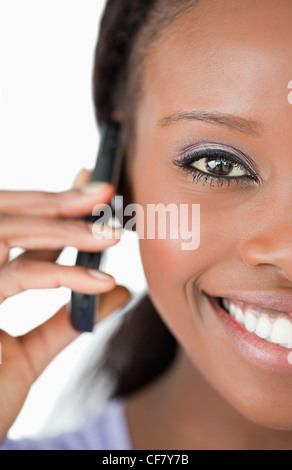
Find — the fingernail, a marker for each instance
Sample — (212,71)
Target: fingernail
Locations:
(99,275)
(94,187)
(81,179)
(101,231)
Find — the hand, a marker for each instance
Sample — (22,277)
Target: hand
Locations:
(43,224)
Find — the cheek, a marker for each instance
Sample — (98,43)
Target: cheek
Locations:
(167,276)
(169,267)
(176,277)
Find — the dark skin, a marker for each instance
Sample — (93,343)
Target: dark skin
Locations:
(228,57)
(233,58)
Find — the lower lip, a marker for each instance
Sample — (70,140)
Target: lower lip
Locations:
(261,353)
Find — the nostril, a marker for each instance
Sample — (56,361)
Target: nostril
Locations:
(257,252)
(268,251)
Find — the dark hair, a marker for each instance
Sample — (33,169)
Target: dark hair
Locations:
(138,351)
(120,24)
(142,347)
(128,29)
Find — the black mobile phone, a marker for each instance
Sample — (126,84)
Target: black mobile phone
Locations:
(107,169)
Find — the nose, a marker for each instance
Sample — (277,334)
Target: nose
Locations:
(272,248)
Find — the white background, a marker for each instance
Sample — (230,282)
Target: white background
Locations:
(47,134)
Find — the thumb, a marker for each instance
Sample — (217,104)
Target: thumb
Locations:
(111,301)
(83,177)
(50,338)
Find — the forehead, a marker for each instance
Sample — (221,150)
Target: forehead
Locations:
(228,55)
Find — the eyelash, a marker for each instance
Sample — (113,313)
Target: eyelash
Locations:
(187,160)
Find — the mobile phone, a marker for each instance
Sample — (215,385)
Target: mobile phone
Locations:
(107,169)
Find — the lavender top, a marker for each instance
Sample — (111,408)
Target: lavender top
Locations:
(106,431)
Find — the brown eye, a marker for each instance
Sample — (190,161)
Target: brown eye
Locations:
(220,166)
(209,162)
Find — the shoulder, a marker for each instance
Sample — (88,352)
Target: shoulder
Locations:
(106,431)
(110,428)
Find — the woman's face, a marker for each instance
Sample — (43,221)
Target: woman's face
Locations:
(218,79)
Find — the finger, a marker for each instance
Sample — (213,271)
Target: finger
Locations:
(109,302)
(83,177)
(43,344)
(44,255)
(54,234)
(4,253)
(20,275)
(74,203)
(57,333)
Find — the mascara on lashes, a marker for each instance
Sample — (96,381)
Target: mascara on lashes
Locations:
(202,150)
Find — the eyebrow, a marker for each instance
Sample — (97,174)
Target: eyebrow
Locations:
(238,123)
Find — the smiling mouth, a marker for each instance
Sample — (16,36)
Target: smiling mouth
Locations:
(269,325)
(259,327)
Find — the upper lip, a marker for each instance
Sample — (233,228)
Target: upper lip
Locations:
(264,300)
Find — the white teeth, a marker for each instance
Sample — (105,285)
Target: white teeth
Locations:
(281,331)
(287,345)
(239,317)
(250,321)
(265,327)
(232,310)
(226,305)
(235,312)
